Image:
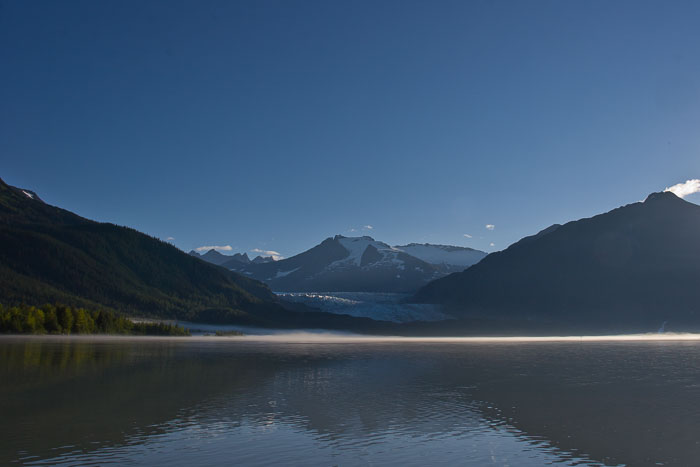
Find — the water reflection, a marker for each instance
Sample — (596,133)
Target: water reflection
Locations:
(184,403)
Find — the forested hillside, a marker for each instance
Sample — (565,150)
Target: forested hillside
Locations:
(48,254)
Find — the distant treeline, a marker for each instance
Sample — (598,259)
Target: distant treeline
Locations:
(228,333)
(61,319)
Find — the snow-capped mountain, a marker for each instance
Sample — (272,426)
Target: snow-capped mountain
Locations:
(451,258)
(360,264)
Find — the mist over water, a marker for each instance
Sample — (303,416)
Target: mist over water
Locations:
(311,399)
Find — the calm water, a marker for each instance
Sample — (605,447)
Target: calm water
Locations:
(223,402)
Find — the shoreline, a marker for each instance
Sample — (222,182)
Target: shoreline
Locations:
(334,338)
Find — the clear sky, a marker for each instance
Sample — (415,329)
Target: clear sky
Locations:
(273,125)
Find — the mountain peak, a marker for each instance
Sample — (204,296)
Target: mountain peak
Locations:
(662,196)
(242,256)
(363,237)
(213,252)
(263,259)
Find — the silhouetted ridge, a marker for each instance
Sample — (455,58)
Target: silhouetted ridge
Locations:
(639,264)
(665,196)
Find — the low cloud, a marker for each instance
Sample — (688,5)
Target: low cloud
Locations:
(490,226)
(684,189)
(275,255)
(214,247)
(492,244)
(360,229)
(467,235)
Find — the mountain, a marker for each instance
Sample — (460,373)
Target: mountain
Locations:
(262,259)
(233,262)
(236,260)
(449,258)
(214,257)
(48,254)
(360,264)
(635,265)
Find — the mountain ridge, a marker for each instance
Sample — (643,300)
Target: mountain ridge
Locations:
(360,264)
(638,262)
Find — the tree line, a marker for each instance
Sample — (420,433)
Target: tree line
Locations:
(62,319)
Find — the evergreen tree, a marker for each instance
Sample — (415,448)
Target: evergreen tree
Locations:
(82,323)
(65,318)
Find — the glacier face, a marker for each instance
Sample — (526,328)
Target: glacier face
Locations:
(378,306)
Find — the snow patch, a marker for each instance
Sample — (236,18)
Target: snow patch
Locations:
(29,195)
(356,246)
(284,273)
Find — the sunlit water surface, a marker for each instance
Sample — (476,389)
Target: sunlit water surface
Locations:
(183,402)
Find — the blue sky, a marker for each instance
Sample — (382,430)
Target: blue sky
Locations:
(272,125)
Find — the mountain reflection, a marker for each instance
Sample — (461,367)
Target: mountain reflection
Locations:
(589,401)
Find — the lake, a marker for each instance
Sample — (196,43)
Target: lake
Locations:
(218,401)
